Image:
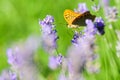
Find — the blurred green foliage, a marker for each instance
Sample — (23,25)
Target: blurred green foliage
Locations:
(20,18)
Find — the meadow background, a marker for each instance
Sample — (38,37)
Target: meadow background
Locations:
(20,18)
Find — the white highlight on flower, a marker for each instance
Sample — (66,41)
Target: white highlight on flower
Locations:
(95,7)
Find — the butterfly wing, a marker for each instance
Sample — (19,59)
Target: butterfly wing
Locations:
(80,20)
(70,16)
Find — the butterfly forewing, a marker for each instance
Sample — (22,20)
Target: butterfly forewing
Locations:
(70,16)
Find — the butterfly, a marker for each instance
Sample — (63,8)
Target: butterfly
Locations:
(75,19)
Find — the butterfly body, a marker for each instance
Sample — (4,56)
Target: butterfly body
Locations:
(75,19)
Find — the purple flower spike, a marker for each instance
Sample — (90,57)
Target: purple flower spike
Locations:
(54,61)
(13,57)
(47,24)
(90,31)
(75,38)
(112,14)
(49,36)
(81,8)
(49,19)
(20,57)
(62,77)
(80,55)
(105,3)
(8,75)
(13,75)
(59,59)
(99,24)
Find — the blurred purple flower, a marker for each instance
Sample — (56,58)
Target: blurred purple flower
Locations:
(111,14)
(52,62)
(62,77)
(55,61)
(105,3)
(14,57)
(89,33)
(59,59)
(96,7)
(20,57)
(99,24)
(81,8)
(75,38)
(8,75)
(49,35)
(80,55)
(90,30)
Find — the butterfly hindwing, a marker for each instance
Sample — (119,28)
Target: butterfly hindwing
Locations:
(80,20)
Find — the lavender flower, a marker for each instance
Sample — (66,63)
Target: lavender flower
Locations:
(99,24)
(55,61)
(8,75)
(20,57)
(47,24)
(81,8)
(90,30)
(62,77)
(79,56)
(105,3)
(111,13)
(96,8)
(13,58)
(92,66)
(49,35)
(75,38)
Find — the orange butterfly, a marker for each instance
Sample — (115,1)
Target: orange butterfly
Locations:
(75,19)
